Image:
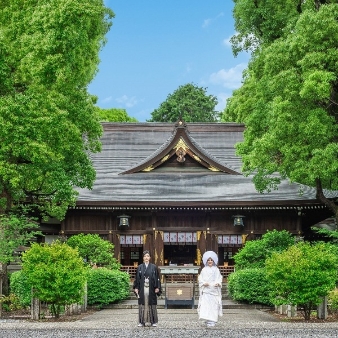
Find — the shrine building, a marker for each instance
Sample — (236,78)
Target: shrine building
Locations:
(178,190)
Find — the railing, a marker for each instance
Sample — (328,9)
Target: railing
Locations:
(225,272)
(131,269)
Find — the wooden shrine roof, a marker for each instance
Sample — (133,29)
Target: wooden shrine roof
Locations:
(138,167)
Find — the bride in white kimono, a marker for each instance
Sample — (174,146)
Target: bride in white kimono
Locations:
(210,284)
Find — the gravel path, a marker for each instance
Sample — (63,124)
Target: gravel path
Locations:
(178,323)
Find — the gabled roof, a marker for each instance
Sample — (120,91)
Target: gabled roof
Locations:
(179,146)
(128,149)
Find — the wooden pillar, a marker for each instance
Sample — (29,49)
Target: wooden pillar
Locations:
(147,242)
(211,242)
(115,239)
(201,246)
(159,248)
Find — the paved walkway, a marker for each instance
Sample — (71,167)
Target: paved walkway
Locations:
(178,323)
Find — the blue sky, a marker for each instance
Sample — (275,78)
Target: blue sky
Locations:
(154,46)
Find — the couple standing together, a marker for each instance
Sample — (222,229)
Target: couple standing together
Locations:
(147,287)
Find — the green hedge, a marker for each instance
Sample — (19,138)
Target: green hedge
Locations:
(250,285)
(107,286)
(103,287)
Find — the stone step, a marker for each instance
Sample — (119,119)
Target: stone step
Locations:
(226,304)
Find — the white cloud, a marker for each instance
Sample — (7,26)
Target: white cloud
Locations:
(209,21)
(106,99)
(228,78)
(127,101)
(206,23)
(222,100)
(226,42)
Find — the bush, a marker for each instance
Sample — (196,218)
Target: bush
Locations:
(11,303)
(333,301)
(93,249)
(250,285)
(254,253)
(57,274)
(20,287)
(107,286)
(303,274)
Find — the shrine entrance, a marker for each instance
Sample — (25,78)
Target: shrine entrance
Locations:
(180,254)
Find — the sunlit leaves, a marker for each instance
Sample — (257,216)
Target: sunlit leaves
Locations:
(288,100)
(303,274)
(49,124)
(190,102)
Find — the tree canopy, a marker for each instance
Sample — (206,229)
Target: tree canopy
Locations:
(48,122)
(289,100)
(114,115)
(302,275)
(93,249)
(15,230)
(190,102)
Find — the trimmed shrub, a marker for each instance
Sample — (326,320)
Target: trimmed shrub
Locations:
(57,274)
(250,285)
(107,286)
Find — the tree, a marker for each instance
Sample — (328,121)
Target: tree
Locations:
(93,249)
(262,22)
(48,122)
(15,231)
(189,102)
(114,115)
(302,275)
(254,253)
(56,273)
(289,97)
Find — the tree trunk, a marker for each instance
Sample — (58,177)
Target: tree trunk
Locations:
(307,311)
(330,204)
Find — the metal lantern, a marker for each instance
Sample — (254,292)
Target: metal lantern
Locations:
(238,220)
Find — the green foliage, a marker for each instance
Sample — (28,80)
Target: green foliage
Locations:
(15,230)
(11,302)
(250,285)
(254,253)
(56,273)
(189,102)
(93,249)
(48,121)
(302,275)
(114,115)
(331,234)
(261,22)
(288,100)
(333,301)
(20,286)
(107,286)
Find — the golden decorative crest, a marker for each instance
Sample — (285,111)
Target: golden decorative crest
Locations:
(179,292)
(165,158)
(196,158)
(181,144)
(213,168)
(150,168)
